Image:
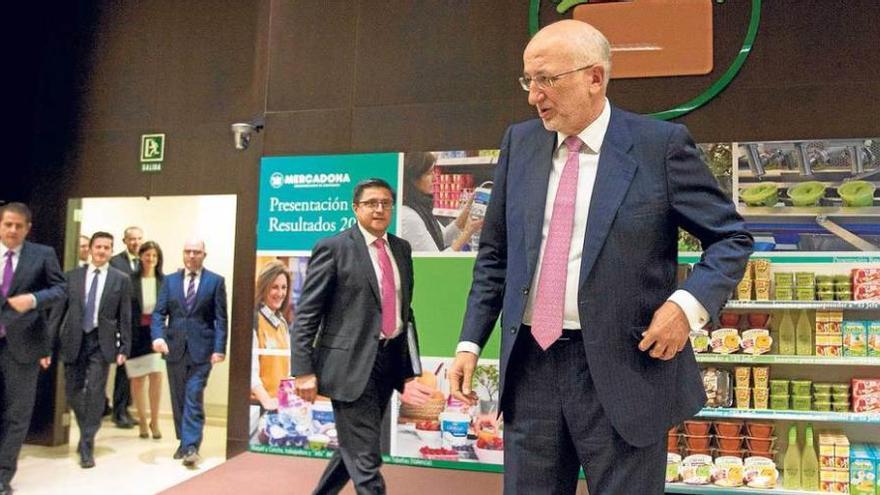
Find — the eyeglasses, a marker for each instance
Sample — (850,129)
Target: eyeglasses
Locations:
(545,82)
(374,204)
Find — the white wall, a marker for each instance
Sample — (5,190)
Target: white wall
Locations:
(170,220)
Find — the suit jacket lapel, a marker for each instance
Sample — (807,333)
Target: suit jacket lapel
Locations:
(403,269)
(613,178)
(204,280)
(365,264)
(178,288)
(538,165)
(78,279)
(108,286)
(24,264)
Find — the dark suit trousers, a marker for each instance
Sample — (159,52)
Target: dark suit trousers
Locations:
(359,426)
(18,391)
(86,379)
(187,381)
(554,424)
(121,393)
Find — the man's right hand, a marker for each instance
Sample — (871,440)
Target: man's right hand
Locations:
(160,346)
(306,386)
(461,375)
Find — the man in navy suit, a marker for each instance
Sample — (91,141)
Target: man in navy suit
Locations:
(31,282)
(189,329)
(578,254)
(94,331)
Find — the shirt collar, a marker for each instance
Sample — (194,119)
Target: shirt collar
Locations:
(131,257)
(593,134)
(370,238)
(4,249)
(187,271)
(101,269)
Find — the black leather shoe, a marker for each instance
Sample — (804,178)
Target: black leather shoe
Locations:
(125,422)
(179,453)
(86,458)
(191,457)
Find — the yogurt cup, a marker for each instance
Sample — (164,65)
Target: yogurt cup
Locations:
(454,429)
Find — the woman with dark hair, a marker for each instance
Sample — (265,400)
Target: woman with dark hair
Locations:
(417,222)
(270,333)
(144,363)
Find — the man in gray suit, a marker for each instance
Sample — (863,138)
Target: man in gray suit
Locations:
(349,339)
(32,283)
(94,331)
(578,255)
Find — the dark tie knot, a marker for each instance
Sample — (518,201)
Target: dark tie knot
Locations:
(10,253)
(573,144)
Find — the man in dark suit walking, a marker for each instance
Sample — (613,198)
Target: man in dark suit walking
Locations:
(31,282)
(189,328)
(129,263)
(578,254)
(94,331)
(350,336)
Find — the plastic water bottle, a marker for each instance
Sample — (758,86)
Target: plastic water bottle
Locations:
(478,209)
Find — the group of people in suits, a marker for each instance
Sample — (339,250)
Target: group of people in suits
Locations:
(110,309)
(577,256)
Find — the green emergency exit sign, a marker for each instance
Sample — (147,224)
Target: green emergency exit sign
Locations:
(152,152)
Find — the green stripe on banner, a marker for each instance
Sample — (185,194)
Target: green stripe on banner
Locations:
(439,300)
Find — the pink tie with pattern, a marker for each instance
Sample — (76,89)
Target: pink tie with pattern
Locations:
(550,299)
(389,293)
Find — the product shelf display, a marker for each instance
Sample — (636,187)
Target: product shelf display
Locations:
(720,490)
(815,416)
(776,359)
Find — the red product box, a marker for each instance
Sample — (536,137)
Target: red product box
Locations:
(866,403)
(865,386)
(866,291)
(862,275)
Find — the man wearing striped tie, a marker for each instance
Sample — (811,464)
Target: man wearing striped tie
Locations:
(189,329)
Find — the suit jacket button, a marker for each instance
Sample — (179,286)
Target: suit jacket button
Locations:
(512,329)
(525,291)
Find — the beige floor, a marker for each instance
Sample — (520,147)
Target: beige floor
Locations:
(125,463)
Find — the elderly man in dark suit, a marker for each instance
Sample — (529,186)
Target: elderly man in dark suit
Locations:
(350,336)
(129,263)
(31,282)
(95,330)
(189,328)
(578,254)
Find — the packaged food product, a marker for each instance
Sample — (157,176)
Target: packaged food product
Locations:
(821,405)
(783,293)
(725,341)
(801,402)
(700,340)
(862,275)
(829,350)
(673,464)
(760,472)
(865,386)
(719,388)
(873,338)
(744,290)
(761,375)
(779,387)
(696,469)
(821,388)
(762,268)
(867,291)
(743,375)
(784,279)
(840,388)
(743,397)
(805,279)
(805,294)
(729,471)
(801,387)
(855,338)
(866,403)
(454,427)
(756,341)
(761,396)
(762,290)
(779,402)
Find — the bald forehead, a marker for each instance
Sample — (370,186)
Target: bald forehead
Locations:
(194,245)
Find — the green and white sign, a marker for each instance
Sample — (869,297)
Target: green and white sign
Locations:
(152,152)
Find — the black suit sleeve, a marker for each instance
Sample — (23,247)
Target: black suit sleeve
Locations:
(317,289)
(220,325)
(54,282)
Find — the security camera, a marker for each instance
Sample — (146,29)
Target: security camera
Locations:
(242,132)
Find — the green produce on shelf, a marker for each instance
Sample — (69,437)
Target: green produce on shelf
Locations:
(806,193)
(765,194)
(857,193)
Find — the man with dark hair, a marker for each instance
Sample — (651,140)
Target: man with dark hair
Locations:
(189,328)
(350,336)
(31,282)
(127,262)
(83,251)
(94,330)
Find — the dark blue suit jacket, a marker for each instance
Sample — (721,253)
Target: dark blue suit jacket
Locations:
(200,331)
(650,182)
(38,273)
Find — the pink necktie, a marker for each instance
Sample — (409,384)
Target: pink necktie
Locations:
(550,299)
(389,293)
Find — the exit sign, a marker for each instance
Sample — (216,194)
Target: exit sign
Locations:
(152,152)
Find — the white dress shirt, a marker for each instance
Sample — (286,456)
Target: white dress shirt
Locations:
(374,258)
(101,279)
(186,275)
(588,162)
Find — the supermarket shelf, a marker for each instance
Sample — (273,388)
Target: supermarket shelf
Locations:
(815,416)
(445,212)
(809,211)
(719,490)
(777,359)
(467,161)
(820,305)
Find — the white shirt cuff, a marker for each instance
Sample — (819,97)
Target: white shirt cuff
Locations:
(158,341)
(33,301)
(465,346)
(694,311)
